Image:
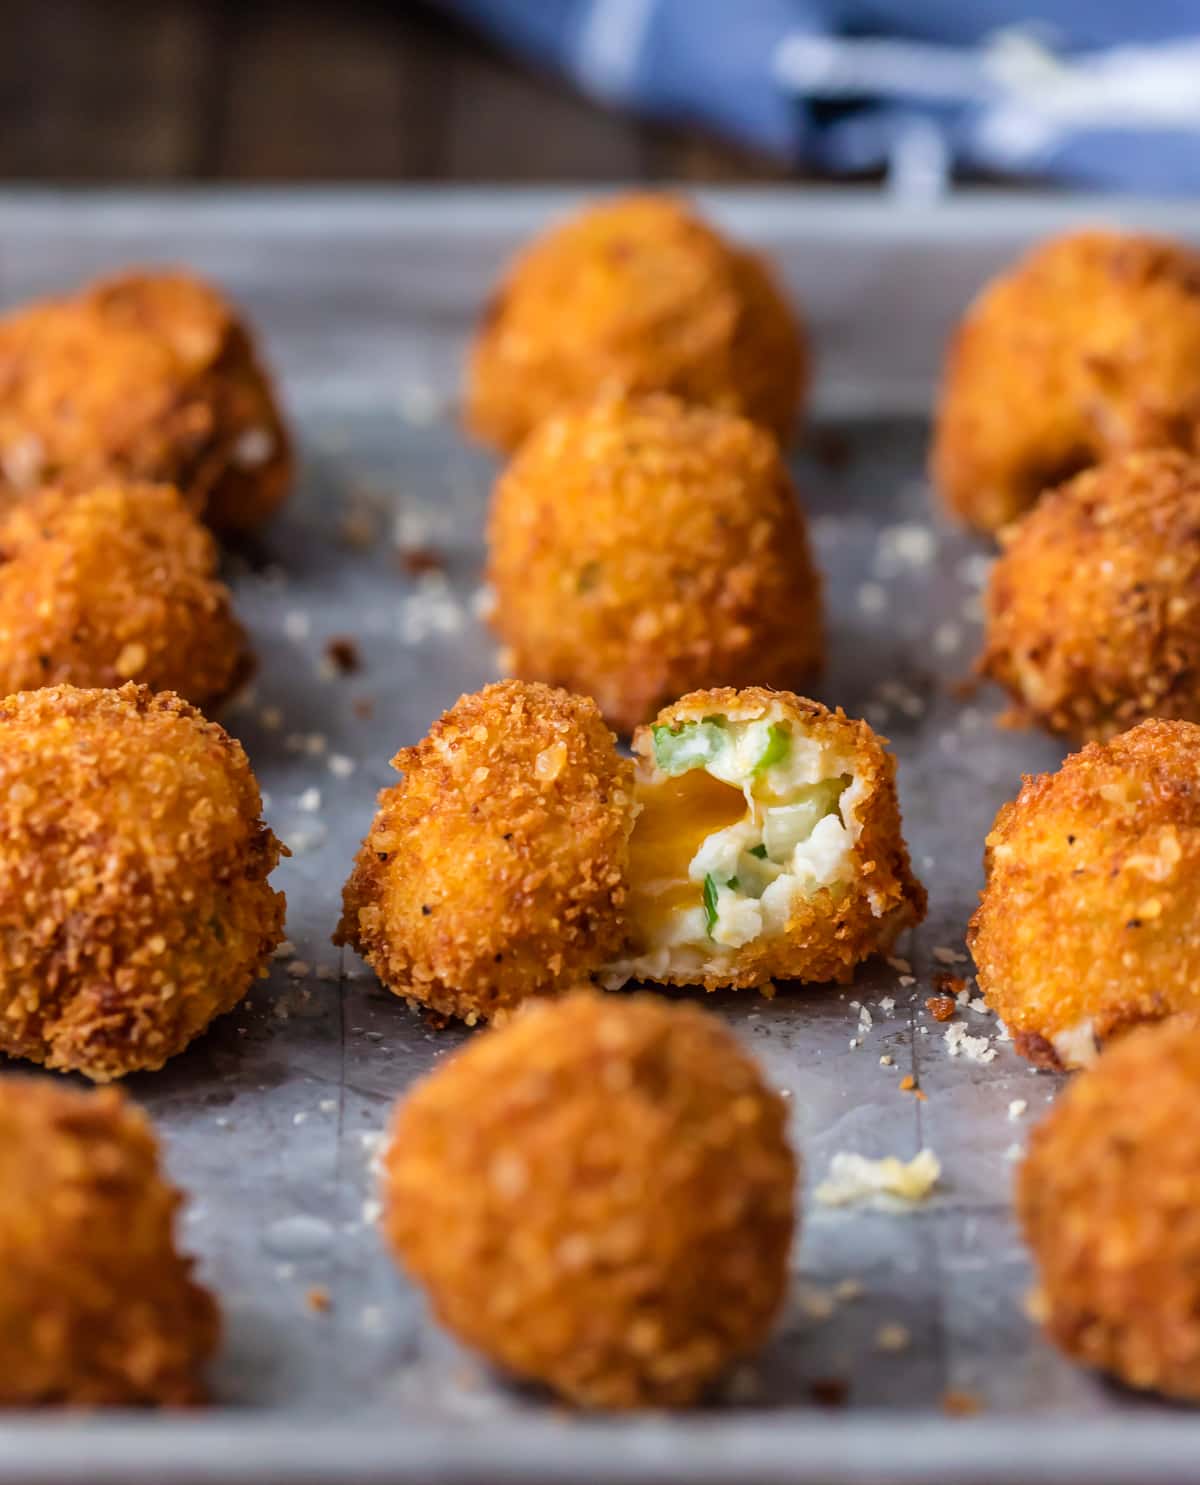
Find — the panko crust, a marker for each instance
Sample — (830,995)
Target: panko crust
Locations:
(115,584)
(97,1306)
(1109,1197)
(495,870)
(828,934)
(642,548)
(1093,610)
(142,377)
(134,903)
(636,294)
(1088,914)
(1088,348)
(599,1197)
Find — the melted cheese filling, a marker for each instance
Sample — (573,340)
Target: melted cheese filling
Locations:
(737,819)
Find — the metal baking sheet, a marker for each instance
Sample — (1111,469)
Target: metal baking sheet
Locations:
(364,301)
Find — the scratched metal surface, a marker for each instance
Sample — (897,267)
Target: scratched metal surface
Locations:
(269,1121)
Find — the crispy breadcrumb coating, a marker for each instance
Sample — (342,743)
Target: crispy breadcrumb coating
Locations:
(495,870)
(134,904)
(142,377)
(1087,348)
(643,548)
(636,294)
(115,584)
(1087,922)
(599,1197)
(97,1306)
(1108,1196)
(768,844)
(1093,610)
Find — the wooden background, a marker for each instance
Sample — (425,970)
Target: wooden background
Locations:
(296,90)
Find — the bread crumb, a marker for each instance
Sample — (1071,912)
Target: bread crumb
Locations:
(941,1007)
(973,1048)
(1017,1108)
(892,1337)
(958,1404)
(943,955)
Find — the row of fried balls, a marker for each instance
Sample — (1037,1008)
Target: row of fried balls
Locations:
(173,395)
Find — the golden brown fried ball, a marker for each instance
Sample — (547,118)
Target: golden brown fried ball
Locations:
(643,548)
(115,584)
(635,294)
(97,1306)
(134,904)
(495,870)
(1108,1195)
(1087,922)
(598,1197)
(142,377)
(767,844)
(1093,611)
(1088,348)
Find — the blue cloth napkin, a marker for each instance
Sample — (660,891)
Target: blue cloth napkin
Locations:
(1104,93)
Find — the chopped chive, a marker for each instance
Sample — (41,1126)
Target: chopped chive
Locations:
(760,851)
(710,903)
(779,744)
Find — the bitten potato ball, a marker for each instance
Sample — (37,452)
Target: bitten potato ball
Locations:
(143,377)
(1087,923)
(767,844)
(637,294)
(1093,610)
(97,1306)
(134,903)
(1109,1196)
(598,1197)
(115,584)
(495,870)
(1088,348)
(643,548)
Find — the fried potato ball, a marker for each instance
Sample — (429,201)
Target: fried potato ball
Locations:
(1088,348)
(1109,1197)
(1093,610)
(636,294)
(643,548)
(495,870)
(97,1306)
(598,1197)
(142,377)
(115,584)
(134,903)
(1087,922)
(767,844)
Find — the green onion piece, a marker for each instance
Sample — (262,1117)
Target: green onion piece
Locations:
(710,903)
(760,851)
(779,745)
(688,745)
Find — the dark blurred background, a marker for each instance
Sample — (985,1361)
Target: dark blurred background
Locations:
(306,90)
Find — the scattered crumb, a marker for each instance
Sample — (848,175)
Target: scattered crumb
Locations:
(816,1304)
(973,1048)
(887,1005)
(342,653)
(418,560)
(299,969)
(296,625)
(1017,1108)
(943,955)
(363,708)
(829,1392)
(946,639)
(980,1006)
(901,966)
(886,1060)
(1014,1152)
(958,1404)
(907,981)
(848,1289)
(904,546)
(892,1337)
(872,598)
(941,1007)
(286,950)
(271,718)
(340,766)
(855,1178)
(318,1300)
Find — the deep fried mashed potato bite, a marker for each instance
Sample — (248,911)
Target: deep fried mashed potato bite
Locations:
(1108,1195)
(142,377)
(134,903)
(116,584)
(97,1306)
(598,1197)
(495,870)
(1088,922)
(1089,347)
(636,294)
(643,548)
(767,844)
(1093,610)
